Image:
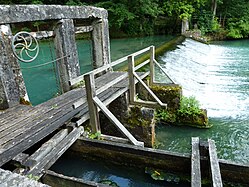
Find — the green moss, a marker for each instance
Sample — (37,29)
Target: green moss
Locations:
(135,118)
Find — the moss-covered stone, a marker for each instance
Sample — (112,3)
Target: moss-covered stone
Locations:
(170,94)
(177,113)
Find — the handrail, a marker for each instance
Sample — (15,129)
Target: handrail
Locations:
(107,66)
(161,68)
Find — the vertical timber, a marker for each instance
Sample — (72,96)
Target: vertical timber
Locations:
(152,69)
(65,45)
(92,107)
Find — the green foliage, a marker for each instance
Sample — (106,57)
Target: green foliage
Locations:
(189,106)
(96,135)
(33,177)
(165,115)
(239,29)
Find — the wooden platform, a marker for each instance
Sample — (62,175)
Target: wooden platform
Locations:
(23,126)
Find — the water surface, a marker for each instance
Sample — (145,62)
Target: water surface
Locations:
(218,76)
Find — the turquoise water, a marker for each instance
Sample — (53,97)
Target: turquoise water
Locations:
(41,82)
(218,76)
(101,170)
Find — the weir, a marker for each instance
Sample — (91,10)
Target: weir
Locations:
(36,136)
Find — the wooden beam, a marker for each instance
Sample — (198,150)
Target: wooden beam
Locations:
(132,87)
(152,68)
(142,65)
(214,164)
(117,123)
(150,91)
(195,163)
(107,66)
(93,110)
(49,159)
(45,149)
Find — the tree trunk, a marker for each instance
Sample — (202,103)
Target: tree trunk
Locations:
(214,7)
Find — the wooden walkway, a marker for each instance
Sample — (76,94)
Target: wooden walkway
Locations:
(23,126)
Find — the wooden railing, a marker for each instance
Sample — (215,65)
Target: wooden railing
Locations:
(95,104)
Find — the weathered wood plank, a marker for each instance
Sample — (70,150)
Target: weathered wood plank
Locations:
(107,66)
(165,73)
(152,67)
(45,149)
(141,65)
(195,163)
(150,91)
(117,123)
(132,86)
(31,138)
(93,110)
(214,164)
(48,160)
(46,115)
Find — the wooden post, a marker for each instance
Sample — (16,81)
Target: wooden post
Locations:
(195,163)
(152,67)
(65,45)
(214,164)
(93,110)
(132,86)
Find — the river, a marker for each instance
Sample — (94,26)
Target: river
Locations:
(218,76)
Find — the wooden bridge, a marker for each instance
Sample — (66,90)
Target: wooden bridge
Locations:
(24,126)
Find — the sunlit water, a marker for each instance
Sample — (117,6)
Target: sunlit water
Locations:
(218,76)
(41,81)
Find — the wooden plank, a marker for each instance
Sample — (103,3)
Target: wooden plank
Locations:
(93,110)
(111,83)
(34,136)
(46,115)
(114,139)
(132,87)
(152,67)
(38,155)
(214,164)
(117,123)
(195,163)
(50,158)
(141,65)
(150,91)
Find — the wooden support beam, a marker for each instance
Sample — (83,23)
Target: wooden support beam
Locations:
(49,159)
(93,110)
(45,149)
(117,123)
(132,86)
(214,164)
(152,67)
(195,163)
(150,91)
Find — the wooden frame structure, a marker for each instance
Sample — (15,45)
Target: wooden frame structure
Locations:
(132,77)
